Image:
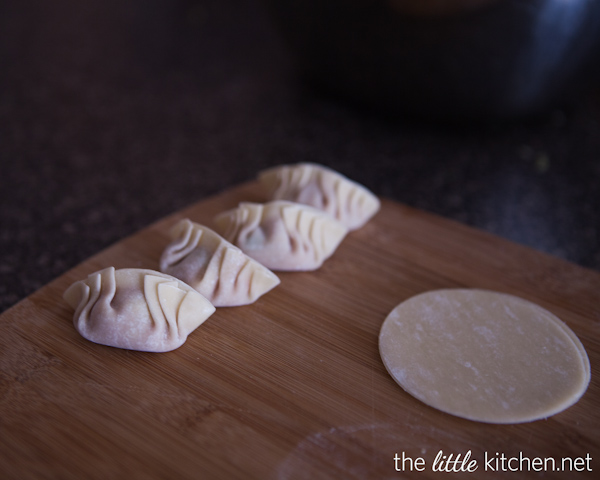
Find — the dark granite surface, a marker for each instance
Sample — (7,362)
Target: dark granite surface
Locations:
(114,114)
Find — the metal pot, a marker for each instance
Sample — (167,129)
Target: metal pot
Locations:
(445,58)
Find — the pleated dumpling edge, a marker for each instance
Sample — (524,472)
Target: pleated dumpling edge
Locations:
(282,235)
(321,187)
(136,309)
(219,270)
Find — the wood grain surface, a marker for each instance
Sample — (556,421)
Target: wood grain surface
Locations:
(291,387)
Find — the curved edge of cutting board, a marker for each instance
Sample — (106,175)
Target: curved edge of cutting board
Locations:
(509,262)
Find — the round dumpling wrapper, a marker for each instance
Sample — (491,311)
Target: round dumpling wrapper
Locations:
(484,356)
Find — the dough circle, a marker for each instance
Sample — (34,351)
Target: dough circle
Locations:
(484,356)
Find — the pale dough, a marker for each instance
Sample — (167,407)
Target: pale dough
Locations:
(484,356)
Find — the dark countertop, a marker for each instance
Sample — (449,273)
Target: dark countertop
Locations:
(115,114)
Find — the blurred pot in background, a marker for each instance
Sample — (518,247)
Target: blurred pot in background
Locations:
(445,59)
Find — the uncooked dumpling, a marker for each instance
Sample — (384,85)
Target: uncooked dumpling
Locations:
(323,188)
(484,356)
(282,235)
(217,269)
(136,309)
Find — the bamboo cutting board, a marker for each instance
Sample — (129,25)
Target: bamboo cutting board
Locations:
(291,387)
